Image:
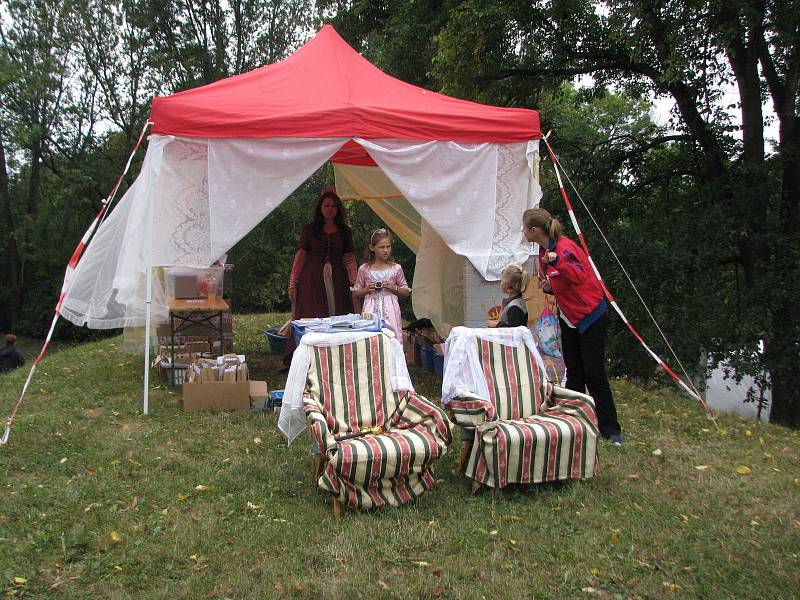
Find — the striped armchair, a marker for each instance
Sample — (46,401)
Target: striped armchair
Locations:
(376,444)
(527,430)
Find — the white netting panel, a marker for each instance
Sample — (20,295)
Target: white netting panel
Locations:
(199,197)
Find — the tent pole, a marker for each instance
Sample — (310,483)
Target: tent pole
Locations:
(147,338)
(148,244)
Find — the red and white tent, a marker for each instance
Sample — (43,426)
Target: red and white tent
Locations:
(327,90)
(223,156)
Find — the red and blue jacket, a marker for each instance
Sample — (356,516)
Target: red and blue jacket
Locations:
(574,284)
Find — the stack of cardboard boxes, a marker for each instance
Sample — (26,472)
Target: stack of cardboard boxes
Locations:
(222,383)
(197,339)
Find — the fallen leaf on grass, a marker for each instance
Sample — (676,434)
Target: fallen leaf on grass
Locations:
(701,467)
(252,506)
(420,563)
(614,538)
(62,461)
(657,452)
(182,497)
(383,585)
(511,518)
(115,538)
(201,488)
(20,581)
(633,476)
(684,518)
(743,470)
(257,440)
(117,568)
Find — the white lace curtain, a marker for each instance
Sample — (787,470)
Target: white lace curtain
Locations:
(195,198)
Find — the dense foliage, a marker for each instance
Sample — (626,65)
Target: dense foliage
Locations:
(702,212)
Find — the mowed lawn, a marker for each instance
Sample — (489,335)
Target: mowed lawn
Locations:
(99,501)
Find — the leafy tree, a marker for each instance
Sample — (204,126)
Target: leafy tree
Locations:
(42,120)
(195,42)
(740,204)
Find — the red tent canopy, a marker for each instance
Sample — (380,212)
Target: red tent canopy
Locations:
(326,89)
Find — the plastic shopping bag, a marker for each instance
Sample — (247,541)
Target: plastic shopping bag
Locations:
(548,333)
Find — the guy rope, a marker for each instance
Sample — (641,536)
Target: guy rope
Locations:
(71,266)
(692,391)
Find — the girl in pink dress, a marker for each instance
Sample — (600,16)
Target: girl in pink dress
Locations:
(380,281)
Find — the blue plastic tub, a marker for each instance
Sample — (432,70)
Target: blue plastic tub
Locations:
(426,354)
(438,364)
(277,343)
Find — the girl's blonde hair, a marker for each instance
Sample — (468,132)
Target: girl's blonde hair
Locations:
(539,217)
(517,278)
(375,236)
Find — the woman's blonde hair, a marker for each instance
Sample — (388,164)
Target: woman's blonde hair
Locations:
(539,217)
(517,278)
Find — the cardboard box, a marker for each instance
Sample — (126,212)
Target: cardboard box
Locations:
(258,392)
(191,283)
(216,395)
(186,286)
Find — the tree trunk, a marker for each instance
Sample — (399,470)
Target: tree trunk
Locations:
(12,249)
(35,174)
(783,353)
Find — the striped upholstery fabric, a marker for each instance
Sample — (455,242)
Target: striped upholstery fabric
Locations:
(349,389)
(533,431)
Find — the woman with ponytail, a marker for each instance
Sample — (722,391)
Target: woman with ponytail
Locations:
(566,273)
(513,282)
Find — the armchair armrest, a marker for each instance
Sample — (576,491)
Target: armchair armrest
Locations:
(574,402)
(318,426)
(468,410)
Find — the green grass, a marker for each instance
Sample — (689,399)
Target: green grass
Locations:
(83,462)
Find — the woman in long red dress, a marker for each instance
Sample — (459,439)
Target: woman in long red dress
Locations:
(324,266)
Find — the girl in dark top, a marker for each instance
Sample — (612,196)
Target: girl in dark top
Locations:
(513,282)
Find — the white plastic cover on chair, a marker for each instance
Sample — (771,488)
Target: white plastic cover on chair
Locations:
(292,421)
(462,368)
